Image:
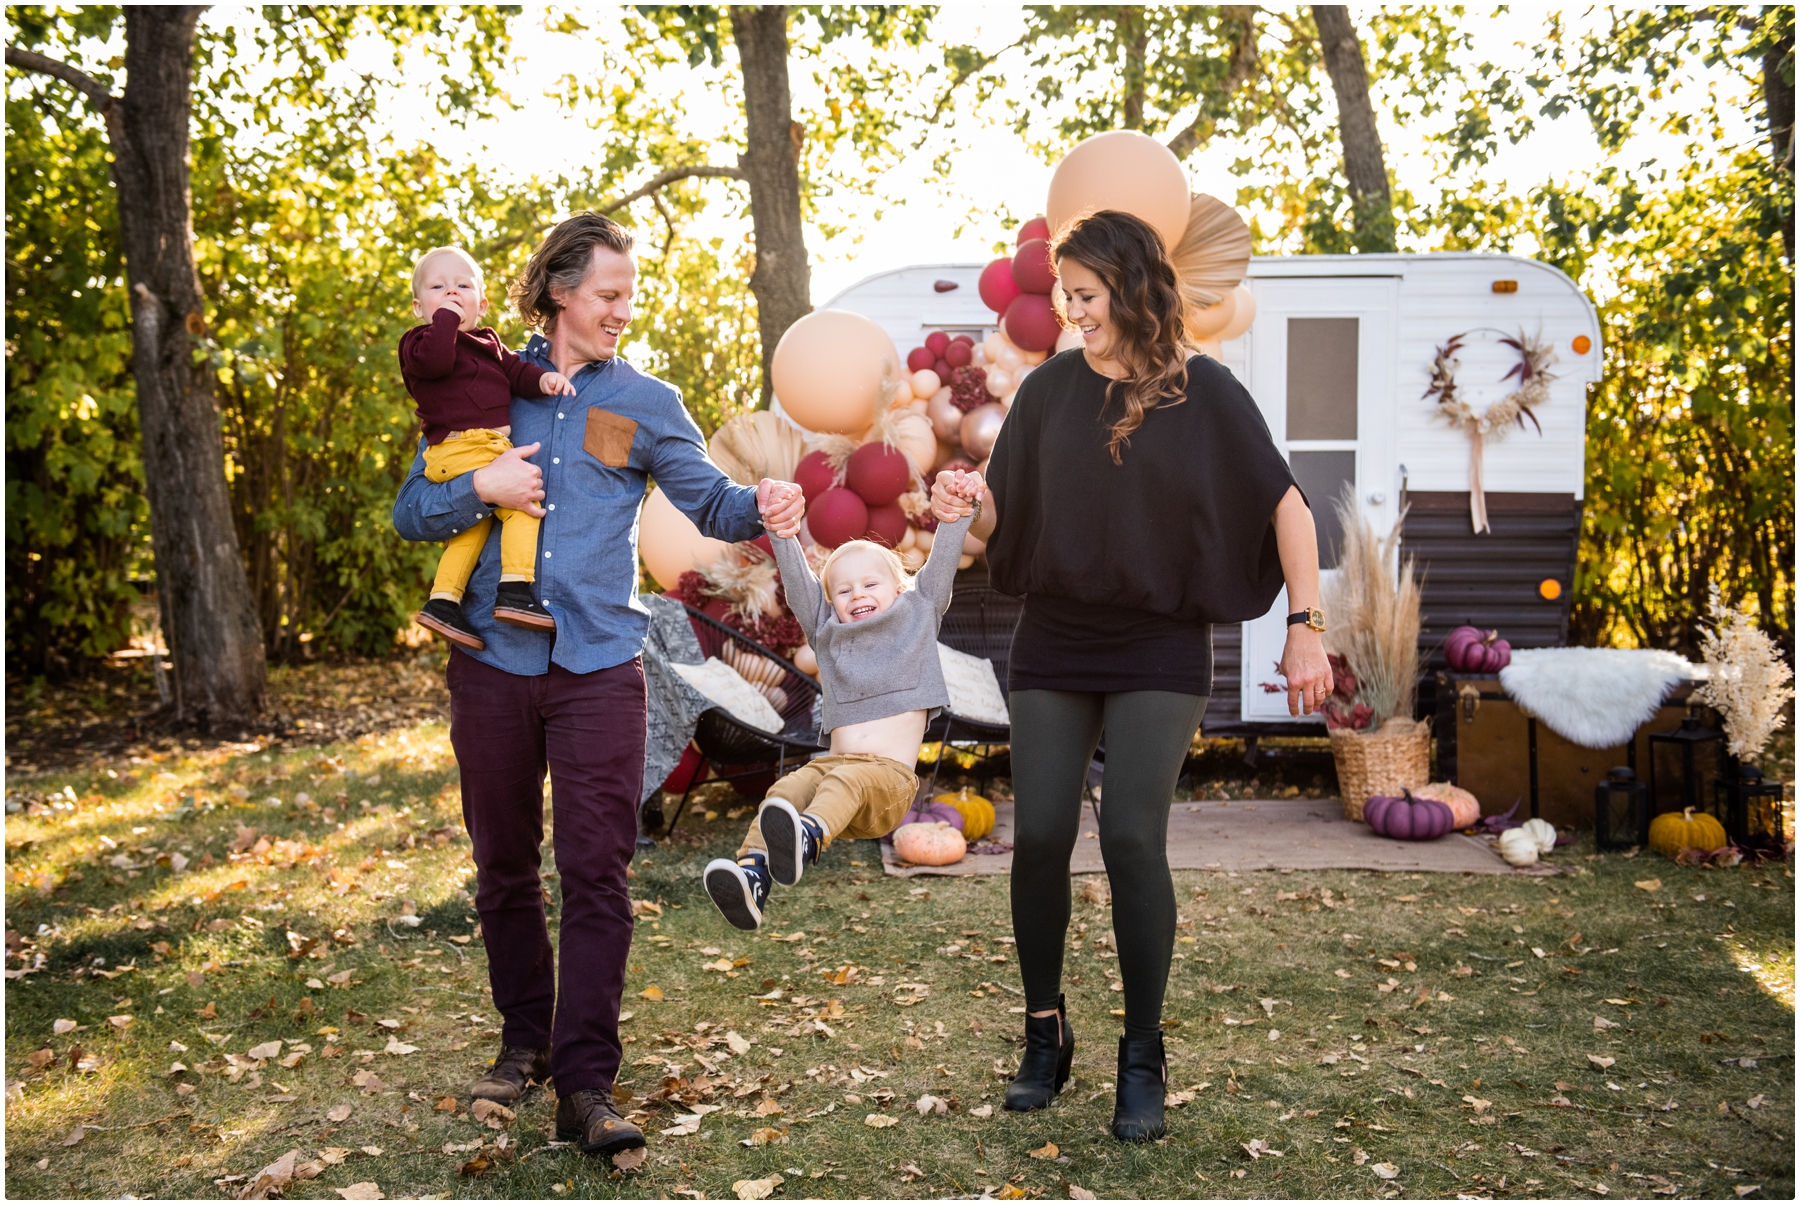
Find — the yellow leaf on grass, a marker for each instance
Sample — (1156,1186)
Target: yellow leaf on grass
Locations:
(1010,1192)
(1048,1151)
(878,1121)
(1649,884)
(652,993)
(1600,1060)
(756,1190)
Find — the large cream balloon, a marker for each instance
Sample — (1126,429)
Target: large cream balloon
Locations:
(832,369)
(1121,169)
(914,437)
(670,543)
(1244,315)
(1206,324)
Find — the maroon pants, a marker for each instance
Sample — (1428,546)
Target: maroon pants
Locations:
(588,731)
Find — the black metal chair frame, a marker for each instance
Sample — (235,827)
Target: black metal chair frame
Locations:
(718,731)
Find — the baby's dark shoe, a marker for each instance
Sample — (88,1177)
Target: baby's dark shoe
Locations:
(794,840)
(740,888)
(513,604)
(445,617)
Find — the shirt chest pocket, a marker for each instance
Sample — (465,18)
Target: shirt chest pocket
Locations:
(608,437)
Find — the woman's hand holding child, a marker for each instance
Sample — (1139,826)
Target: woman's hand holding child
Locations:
(956,494)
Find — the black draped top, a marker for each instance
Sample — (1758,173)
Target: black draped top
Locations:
(1125,567)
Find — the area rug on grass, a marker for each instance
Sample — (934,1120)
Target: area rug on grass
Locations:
(1596,698)
(1262,834)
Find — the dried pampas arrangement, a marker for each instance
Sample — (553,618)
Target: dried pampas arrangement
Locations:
(1747,681)
(1373,605)
(749,447)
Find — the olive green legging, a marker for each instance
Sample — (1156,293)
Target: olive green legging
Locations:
(1054,733)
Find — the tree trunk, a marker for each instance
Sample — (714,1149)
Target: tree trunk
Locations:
(1778,105)
(1134,31)
(212,630)
(782,280)
(1372,215)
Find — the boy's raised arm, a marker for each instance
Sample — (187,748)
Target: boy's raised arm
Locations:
(805,597)
(939,574)
(429,352)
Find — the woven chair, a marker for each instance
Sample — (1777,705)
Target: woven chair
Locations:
(726,741)
(980,622)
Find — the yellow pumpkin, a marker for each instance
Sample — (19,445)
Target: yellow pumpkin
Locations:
(935,844)
(1465,809)
(977,813)
(1672,832)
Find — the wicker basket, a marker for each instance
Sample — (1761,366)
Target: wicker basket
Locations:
(1380,762)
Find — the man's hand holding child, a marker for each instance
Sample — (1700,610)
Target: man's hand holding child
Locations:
(555,382)
(782,504)
(956,494)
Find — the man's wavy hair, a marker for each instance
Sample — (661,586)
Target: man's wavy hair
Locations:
(561,262)
(1143,308)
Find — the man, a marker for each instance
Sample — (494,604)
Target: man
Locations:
(571,702)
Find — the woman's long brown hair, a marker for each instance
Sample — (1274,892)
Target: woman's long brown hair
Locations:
(1143,308)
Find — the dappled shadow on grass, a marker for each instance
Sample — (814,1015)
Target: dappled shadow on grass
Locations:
(889,990)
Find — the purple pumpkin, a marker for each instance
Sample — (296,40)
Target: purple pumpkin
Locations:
(930,812)
(1474,651)
(1407,818)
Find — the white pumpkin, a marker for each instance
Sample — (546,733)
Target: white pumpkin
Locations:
(1518,846)
(1543,832)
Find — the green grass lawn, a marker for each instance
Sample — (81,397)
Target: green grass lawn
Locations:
(1381,1034)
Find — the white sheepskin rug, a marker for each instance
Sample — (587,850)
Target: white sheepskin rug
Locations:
(1594,697)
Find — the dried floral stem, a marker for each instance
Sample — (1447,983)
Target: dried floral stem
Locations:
(1373,602)
(1747,681)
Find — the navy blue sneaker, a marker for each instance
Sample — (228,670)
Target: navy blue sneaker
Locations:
(794,840)
(740,888)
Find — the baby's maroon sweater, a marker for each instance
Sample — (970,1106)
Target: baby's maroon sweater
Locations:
(462,380)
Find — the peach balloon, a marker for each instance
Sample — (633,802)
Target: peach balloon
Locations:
(670,543)
(1006,403)
(973,547)
(1126,170)
(925,382)
(915,436)
(980,428)
(1243,317)
(830,369)
(1207,323)
(993,345)
(903,393)
(964,561)
(946,419)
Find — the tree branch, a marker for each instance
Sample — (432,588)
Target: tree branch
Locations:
(663,179)
(87,85)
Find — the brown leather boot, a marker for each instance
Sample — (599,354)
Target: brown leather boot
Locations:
(588,1117)
(517,1068)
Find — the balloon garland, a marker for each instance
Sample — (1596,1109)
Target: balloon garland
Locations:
(1497,421)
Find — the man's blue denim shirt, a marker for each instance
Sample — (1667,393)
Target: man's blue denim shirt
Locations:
(599,448)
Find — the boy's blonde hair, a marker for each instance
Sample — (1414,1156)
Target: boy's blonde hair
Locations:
(902,579)
(480,279)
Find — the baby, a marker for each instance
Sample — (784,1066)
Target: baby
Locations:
(464,381)
(874,630)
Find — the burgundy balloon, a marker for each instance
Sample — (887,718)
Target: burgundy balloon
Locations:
(1032,269)
(1031,323)
(958,354)
(919,358)
(887,525)
(838,516)
(937,341)
(814,475)
(941,366)
(997,287)
(878,473)
(966,340)
(1035,228)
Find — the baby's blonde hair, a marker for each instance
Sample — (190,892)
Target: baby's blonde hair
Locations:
(480,280)
(902,579)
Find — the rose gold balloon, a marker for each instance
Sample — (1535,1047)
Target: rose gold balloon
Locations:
(980,428)
(670,543)
(946,419)
(1121,169)
(829,369)
(1244,315)
(1207,323)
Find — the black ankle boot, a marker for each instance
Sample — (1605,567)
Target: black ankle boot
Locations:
(1143,1081)
(1049,1049)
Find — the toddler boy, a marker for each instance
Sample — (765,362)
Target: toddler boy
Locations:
(464,380)
(874,629)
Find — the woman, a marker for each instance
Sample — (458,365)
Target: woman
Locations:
(1137,499)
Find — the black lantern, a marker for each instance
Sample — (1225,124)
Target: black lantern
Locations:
(1621,810)
(1681,761)
(1752,808)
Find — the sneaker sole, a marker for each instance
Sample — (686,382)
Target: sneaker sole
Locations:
(625,1142)
(524,619)
(455,636)
(780,825)
(730,892)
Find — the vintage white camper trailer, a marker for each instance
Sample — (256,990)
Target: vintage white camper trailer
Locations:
(1338,359)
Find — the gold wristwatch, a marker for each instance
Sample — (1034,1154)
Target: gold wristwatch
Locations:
(1312,617)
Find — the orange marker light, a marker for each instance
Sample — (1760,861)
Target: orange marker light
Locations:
(1582,344)
(1506,286)
(1550,588)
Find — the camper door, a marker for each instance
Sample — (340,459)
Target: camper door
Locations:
(1321,367)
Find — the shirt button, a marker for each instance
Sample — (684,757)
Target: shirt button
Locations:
(546,556)
(559,414)
(556,460)
(553,506)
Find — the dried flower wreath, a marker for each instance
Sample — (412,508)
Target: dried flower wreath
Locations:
(1532,370)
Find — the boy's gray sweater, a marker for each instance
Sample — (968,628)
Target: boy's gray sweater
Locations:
(886,664)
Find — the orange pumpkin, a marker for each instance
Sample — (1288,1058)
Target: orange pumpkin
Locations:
(935,844)
(1465,809)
